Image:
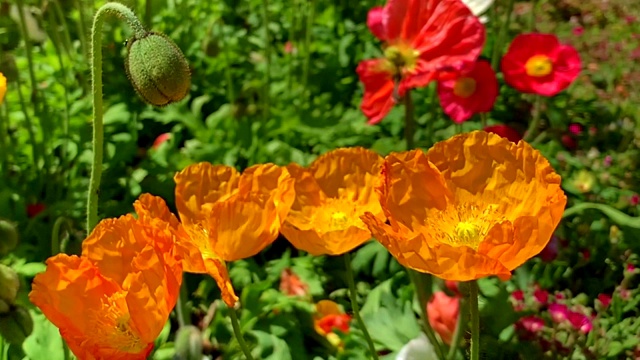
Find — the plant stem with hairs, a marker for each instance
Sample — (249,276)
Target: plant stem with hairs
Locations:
(127,15)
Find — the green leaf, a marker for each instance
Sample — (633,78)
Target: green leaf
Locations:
(45,341)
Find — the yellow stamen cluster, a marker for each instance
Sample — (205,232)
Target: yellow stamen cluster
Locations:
(539,66)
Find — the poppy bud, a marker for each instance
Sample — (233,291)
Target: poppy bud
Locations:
(157,69)
(16,325)
(9,284)
(8,237)
(188,343)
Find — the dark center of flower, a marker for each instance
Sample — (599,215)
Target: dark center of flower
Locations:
(538,66)
(464,87)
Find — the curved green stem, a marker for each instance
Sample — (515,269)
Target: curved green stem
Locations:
(236,331)
(127,15)
(532,130)
(475,321)
(409,121)
(354,305)
(422,284)
(56,246)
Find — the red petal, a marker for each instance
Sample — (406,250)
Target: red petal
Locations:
(378,90)
(376,22)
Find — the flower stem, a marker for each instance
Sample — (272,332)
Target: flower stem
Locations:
(127,15)
(504,27)
(267,56)
(457,334)
(409,121)
(422,284)
(182,311)
(236,331)
(535,121)
(475,320)
(354,305)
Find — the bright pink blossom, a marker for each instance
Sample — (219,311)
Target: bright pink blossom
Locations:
(376,22)
(605,300)
(559,312)
(580,322)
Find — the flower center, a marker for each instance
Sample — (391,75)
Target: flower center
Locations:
(464,87)
(467,232)
(538,66)
(464,224)
(114,325)
(401,58)
(339,219)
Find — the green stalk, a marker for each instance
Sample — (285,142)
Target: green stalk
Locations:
(184,316)
(236,331)
(82,31)
(307,48)
(267,55)
(4,153)
(422,285)
(460,327)
(532,130)
(124,13)
(353,294)
(38,106)
(409,121)
(504,28)
(32,134)
(475,320)
(532,16)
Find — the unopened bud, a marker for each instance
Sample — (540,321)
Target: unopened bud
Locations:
(16,325)
(9,284)
(157,69)
(188,343)
(8,237)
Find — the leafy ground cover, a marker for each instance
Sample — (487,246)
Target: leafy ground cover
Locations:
(278,82)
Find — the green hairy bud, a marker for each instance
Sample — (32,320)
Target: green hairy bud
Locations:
(188,343)
(9,285)
(157,69)
(16,325)
(8,237)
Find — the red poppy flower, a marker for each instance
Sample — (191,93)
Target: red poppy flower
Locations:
(539,64)
(473,91)
(423,39)
(505,131)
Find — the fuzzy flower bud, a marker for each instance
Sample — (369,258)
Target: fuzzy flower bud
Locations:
(16,325)
(9,285)
(157,69)
(8,237)
(188,343)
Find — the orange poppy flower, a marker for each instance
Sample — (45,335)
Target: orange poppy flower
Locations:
(331,195)
(424,39)
(473,206)
(153,211)
(113,301)
(230,214)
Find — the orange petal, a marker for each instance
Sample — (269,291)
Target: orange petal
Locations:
(348,173)
(411,187)
(218,271)
(72,285)
(201,184)
(154,213)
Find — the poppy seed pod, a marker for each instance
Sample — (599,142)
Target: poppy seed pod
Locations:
(157,69)
(8,236)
